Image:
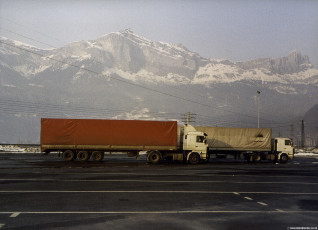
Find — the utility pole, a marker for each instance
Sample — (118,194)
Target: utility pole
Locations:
(302,138)
(188,118)
(258,106)
(292,131)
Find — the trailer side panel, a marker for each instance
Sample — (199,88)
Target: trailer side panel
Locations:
(237,139)
(109,134)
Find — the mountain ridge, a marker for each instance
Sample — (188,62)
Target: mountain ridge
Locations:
(127,76)
(139,57)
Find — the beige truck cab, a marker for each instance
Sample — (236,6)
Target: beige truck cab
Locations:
(284,148)
(195,143)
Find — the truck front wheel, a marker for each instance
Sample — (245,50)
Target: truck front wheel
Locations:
(194,158)
(283,158)
(68,155)
(97,156)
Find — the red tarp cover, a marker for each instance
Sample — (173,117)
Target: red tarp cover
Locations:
(108,132)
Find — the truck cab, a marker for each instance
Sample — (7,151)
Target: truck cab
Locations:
(195,144)
(284,148)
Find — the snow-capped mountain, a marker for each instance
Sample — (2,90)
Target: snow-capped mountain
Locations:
(123,75)
(136,58)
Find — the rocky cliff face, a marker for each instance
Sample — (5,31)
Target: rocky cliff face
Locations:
(292,63)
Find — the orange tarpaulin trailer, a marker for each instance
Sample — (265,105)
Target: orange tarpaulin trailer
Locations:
(114,135)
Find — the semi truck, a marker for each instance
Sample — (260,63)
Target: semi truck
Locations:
(85,139)
(255,144)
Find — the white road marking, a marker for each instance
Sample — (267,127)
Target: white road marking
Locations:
(2,225)
(236,193)
(262,203)
(181,173)
(151,191)
(162,181)
(279,210)
(15,214)
(162,212)
(315,162)
(248,198)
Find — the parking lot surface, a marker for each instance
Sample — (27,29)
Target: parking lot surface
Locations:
(43,192)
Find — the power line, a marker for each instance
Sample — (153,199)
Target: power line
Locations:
(92,57)
(167,94)
(127,82)
(52,110)
(43,43)
(30,108)
(30,28)
(166,85)
(188,118)
(258,83)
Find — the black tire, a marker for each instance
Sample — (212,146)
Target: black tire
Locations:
(256,157)
(283,158)
(68,155)
(83,156)
(194,158)
(250,158)
(154,157)
(97,156)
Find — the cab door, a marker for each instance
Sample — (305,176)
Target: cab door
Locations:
(289,148)
(200,144)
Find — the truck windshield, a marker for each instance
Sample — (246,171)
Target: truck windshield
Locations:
(288,142)
(200,139)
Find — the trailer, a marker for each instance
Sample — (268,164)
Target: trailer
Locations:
(255,144)
(83,139)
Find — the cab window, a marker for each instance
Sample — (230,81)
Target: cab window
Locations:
(200,139)
(287,142)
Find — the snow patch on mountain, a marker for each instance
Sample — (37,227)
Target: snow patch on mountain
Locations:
(308,76)
(35,85)
(146,76)
(164,48)
(221,73)
(9,85)
(284,89)
(17,43)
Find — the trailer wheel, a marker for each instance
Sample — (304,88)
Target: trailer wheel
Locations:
(154,157)
(97,156)
(283,158)
(83,156)
(250,158)
(68,155)
(256,157)
(194,158)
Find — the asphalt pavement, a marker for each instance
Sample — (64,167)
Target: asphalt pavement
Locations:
(43,192)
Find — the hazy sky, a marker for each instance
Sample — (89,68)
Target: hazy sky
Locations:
(237,30)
